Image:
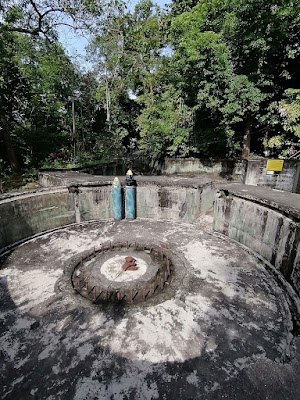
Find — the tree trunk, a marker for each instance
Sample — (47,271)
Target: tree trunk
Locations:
(247,137)
(4,132)
(73,127)
(108,102)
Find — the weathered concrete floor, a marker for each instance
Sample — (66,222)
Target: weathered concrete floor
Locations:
(226,332)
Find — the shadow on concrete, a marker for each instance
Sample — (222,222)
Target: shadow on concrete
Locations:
(228,167)
(103,374)
(13,230)
(51,356)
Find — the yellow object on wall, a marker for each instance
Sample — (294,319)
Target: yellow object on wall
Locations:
(275,165)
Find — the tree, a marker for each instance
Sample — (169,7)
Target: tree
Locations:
(42,67)
(108,49)
(282,135)
(41,18)
(219,97)
(178,6)
(143,42)
(14,92)
(261,39)
(165,124)
(127,57)
(54,80)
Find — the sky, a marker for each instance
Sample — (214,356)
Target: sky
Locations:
(75,43)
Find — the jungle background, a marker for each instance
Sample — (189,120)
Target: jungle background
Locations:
(208,79)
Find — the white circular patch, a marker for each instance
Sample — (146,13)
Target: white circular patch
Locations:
(112,269)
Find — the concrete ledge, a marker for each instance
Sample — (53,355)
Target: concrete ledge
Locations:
(266,221)
(73,178)
(284,202)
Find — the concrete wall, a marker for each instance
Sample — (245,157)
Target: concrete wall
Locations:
(27,214)
(171,166)
(174,203)
(257,175)
(153,201)
(48,180)
(274,233)
(95,202)
(270,233)
(167,166)
(196,165)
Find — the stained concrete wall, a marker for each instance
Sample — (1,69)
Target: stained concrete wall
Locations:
(157,197)
(257,175)
(95,202)
(272,230)
(174,203)
(167,166)
(27,214)
(196,165)
(171,166)
(271,233)
(153,201)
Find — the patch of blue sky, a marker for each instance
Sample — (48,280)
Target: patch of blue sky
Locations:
(75,42)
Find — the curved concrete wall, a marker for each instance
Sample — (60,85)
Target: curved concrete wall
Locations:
(177,199)
(272,230)
(184,204)
(25,214)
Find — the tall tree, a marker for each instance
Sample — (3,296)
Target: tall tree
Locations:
(165,124)
(42,18)
(14,92)
(261,38)
(202,63)
(41,106)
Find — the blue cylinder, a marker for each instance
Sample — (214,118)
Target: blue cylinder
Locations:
(117,199)
(130,202)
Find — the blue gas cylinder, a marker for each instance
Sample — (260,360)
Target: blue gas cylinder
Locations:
(130,196)
(117,199)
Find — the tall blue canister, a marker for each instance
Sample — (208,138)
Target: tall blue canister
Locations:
(130,196)
(117,199)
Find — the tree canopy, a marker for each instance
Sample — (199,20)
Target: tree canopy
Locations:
(207,78)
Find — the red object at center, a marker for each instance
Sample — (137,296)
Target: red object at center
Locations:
(130,264)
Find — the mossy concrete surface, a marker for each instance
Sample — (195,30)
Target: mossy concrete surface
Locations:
(226,331)
(266,221)
(28,213)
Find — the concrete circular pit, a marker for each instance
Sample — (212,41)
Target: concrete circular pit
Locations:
(106,276)
(223,327)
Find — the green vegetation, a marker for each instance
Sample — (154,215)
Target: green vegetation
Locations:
(208,78)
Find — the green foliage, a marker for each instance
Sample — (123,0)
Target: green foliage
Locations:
(283,123)
(231,65)
(241,98)
(30,175)
(165,125)
(189,81)
(289,109)
(143,40)
(204,69)
(38,104)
